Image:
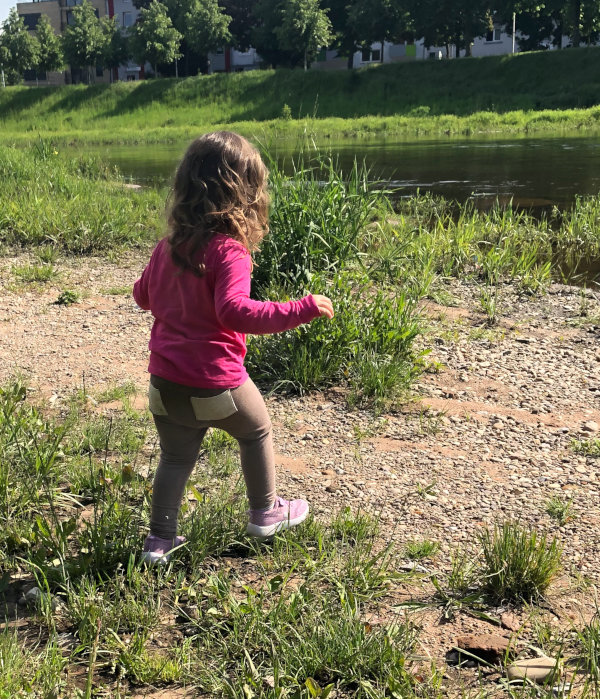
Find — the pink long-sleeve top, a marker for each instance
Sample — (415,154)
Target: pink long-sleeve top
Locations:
(200,323)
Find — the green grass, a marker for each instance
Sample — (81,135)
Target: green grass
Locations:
(514,94)
(519,563)
(420,550)
(298,620)
(587,447)
(78,203)
(560,510)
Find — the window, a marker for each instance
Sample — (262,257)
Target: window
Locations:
(369,55)
(31,20)
(99,71)
(72,3)
(494,35)
(128,19)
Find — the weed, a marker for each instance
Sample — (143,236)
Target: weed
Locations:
(118,392)
(47,254)
(31,274)
(489,300)
(519,564)
(419,550)
(560,510)
(118,291)
(67,298)
(587,447)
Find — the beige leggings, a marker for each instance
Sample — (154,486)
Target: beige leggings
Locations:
(182,415)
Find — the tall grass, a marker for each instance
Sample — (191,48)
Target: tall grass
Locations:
(76,205)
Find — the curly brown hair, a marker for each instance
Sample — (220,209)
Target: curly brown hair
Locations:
(220,187)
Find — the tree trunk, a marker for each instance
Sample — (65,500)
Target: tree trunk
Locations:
(382,45)
(305,61)
(576,34)
(350,63)
(457,45)
(447,50)
(467,47)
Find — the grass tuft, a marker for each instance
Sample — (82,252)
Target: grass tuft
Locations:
(518,563)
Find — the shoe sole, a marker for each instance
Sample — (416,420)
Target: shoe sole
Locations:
(154,559)
(267,532)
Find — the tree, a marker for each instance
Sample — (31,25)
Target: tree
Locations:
(207,27)
(18,49)
(345,37)
(242,21)
(84,41)
(304,29)
(116,49)
(268,16)
(446,22)
(154,38)
(50,55)
(379,20)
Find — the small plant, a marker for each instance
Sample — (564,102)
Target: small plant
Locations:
(488,298)
(425,490)
(35,273)
(419,550)
(68,297)
(47,254)
(120,392)
(519,564)
(587,447)
(560,510)
(588,640)
(118,291)
(286,112)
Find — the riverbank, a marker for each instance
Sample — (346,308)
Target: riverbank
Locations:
(503,427)
(509,95)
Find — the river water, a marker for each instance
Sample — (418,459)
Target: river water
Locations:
(536,173)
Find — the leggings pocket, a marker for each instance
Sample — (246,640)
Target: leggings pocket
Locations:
(155,402)
(214,407)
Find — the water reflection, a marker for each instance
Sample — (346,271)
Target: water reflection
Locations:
(534,173)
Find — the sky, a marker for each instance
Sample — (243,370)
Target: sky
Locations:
(5,6)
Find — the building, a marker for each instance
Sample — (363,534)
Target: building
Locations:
(60,15)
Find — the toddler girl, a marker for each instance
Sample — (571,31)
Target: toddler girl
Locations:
(197,286)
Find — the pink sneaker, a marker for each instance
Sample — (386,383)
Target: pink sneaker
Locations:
(285,514)
(157,551)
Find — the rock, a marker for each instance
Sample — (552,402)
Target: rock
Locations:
(590,426)
(535,669)
(488,647)
(510,621)
(36,596)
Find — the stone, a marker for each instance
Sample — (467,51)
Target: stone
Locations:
(590,426)
(510,621)
(488,646)
(534,669)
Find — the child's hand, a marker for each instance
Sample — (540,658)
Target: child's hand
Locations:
(324,305)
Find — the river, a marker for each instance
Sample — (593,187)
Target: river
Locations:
(536,173)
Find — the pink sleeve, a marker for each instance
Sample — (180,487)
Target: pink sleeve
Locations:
(140,288)
(233,305)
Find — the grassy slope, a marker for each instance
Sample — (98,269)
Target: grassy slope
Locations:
(415,98)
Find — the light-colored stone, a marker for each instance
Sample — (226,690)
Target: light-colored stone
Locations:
(534,669)
(590,426)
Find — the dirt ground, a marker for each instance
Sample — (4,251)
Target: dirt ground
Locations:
(488,434)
